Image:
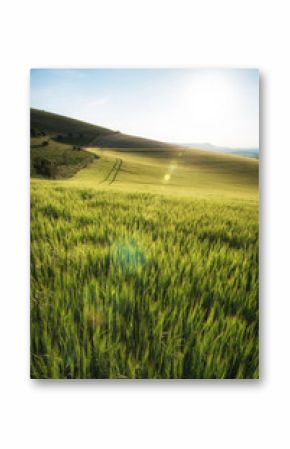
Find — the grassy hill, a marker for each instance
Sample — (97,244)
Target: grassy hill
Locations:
(81,133)
(149,164)
(70,130)
(144,264)
(56,160)
(58,142)
(173,171)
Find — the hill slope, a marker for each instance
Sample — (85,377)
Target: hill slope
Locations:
(56,160)
(81,133)
(144,264)
(174,171)
(130,162)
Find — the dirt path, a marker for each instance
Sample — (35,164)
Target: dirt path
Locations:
(112,174)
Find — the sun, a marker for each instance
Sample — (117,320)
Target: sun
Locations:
(212,104)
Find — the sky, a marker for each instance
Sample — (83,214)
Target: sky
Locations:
(216,106)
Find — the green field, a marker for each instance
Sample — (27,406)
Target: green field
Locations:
(144,264)
(56,160)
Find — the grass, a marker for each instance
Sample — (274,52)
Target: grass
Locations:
(175,172)
(145,265)
(56,160)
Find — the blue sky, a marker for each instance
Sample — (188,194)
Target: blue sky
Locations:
(219,106)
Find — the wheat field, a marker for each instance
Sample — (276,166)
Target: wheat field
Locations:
(145,265)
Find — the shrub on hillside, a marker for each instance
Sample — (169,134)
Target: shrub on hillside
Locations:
(45,167)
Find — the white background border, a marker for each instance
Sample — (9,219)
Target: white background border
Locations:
(144,414)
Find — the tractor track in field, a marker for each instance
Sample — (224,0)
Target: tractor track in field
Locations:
(112,174)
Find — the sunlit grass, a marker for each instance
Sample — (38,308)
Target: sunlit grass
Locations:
(129,284)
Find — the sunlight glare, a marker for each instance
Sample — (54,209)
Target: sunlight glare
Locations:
(214,104)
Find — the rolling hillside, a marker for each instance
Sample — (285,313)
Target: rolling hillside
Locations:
(144,258)
(56,160)
(70,130)
(176,172)
(82,133)
(139,163)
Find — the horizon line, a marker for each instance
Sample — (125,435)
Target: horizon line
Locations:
(151,138)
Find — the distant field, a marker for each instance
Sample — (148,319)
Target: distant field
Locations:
(175,172)
(144,264)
